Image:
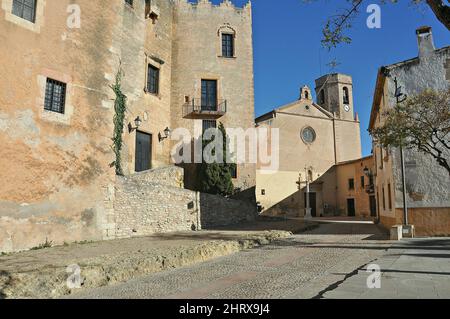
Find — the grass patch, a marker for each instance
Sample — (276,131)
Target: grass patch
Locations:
(47,244)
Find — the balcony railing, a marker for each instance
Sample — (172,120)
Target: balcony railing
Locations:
(198,109)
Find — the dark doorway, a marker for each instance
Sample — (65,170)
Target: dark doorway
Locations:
(373,206)
(209,95)
(312,203)
(143,152)
(351,207)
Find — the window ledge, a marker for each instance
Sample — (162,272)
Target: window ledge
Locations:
(227,57)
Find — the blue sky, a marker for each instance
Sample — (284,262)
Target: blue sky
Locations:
(288,51)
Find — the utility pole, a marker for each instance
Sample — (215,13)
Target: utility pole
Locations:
(400,97)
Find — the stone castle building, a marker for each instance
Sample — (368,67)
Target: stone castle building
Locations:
(185,65)
(427,183)
(320,144)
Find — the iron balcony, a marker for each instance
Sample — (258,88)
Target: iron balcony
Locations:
(198,109)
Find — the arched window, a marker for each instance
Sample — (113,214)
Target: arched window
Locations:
(322,97)
(346,96)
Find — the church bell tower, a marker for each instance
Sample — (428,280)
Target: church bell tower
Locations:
(335,94)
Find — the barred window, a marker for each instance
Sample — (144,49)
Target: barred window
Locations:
(25,9)
(153,79)
(227,45)
(55,96)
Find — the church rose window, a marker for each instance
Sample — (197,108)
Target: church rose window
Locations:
(308,135)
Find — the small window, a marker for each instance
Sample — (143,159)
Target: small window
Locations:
(362,181)
(130,2)
(153,79)
(263,192)
(55,96)
(25,9)
(233,171)
(346,96)
(389,196)
(351,183)
(227,45)
(322,97)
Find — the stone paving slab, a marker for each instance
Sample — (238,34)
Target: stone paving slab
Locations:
(411,269)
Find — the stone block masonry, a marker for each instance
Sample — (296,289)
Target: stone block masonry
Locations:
(152,202)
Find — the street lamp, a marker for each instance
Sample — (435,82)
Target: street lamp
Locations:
(166,132)
(137,123)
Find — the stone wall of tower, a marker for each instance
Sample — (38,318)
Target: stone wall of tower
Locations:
(138,42)
(333,86)
(54,167)
(197,55)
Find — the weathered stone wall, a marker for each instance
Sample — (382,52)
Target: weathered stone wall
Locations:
(143,208)
(145,204)
(57,180)
(54,168)
(219,211)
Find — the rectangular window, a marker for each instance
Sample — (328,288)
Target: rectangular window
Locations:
(384,199)
(130,2)
(207,124)
(389,196)
(351,184)
(25,9)
(233,171)
(381,158)
(55,96)
(209,95)
(153,79)
(362,181)
(227,45)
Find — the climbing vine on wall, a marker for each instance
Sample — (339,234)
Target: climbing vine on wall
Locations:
(120,105)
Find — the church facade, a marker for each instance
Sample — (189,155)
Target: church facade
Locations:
(319,146)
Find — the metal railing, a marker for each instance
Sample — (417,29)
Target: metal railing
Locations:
(200,107)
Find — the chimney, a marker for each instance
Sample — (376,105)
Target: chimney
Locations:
(425,40)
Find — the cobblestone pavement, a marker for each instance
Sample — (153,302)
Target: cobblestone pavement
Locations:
(307,265)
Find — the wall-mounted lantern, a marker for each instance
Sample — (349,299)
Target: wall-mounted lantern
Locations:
(165,134)
(137,123)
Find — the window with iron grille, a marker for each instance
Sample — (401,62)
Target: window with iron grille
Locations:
(153,79)
(26,9)
(227,45)
(55,96)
